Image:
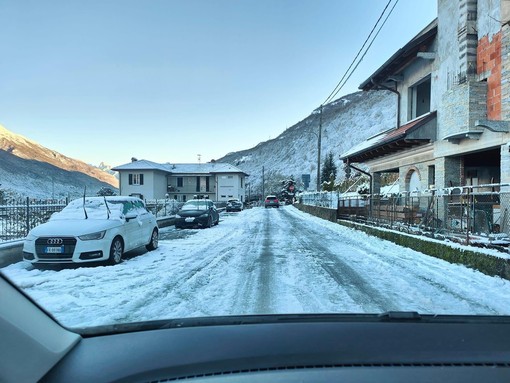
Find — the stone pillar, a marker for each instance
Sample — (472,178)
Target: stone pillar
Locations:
(467,36)
(505,166)
(448,172)
(505,72)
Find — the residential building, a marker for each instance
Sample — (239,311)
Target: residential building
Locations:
(452,94)
(150,180)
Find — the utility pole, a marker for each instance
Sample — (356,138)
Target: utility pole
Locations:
(263,184)
(319,152)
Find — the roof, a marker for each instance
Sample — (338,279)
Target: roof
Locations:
(403,57)
(419,131)
(207,168)
(141,165)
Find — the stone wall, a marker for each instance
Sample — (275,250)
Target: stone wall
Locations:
(461,107)
(321,212)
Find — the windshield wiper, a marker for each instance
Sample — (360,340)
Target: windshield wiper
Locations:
(391,317)
(400,316)
(84,209)
(107,208)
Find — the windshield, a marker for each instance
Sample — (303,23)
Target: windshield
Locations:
(196,205)
(342,159)
(96,208)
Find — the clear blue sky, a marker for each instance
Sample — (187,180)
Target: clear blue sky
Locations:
(165,80)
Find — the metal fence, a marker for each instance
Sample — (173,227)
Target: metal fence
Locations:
(17,217)
(323,199)
(476,215)
(163,207)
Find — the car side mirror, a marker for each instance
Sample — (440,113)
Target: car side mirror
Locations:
(130,216)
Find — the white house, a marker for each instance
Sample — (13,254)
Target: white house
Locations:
(150,180)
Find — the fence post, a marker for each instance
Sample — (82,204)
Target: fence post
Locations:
(468,219)
(28,216)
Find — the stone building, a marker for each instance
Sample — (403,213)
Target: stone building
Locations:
(452,94)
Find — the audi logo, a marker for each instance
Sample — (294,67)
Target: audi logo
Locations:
(55,241)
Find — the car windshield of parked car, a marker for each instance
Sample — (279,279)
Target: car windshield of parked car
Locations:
(196,205)
(91,209)
(168,159)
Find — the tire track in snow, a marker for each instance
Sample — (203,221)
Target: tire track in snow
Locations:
(408,268)
(351,281)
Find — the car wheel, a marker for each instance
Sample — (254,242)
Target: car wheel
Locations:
(153,244)
(116,250)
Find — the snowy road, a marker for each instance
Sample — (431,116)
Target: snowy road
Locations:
(262,261)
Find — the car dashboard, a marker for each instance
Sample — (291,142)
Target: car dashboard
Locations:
(391,347)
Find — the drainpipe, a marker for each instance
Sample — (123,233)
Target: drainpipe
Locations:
(398,98)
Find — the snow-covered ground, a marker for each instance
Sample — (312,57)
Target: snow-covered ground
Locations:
(262,261)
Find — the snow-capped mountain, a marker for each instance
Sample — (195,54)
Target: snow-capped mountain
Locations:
(346,122)
(29,169)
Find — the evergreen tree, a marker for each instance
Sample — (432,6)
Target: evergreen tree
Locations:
(329,169)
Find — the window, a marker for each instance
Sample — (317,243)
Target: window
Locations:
(198,184)
(419,98)
(179,182)
(207,184)
(135,179)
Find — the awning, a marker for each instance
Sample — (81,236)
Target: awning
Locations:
(417,132)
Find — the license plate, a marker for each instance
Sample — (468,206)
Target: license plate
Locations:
(54,250)
(189,219)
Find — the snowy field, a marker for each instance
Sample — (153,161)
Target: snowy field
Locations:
(262,261)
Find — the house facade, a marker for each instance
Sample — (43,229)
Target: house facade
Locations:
(452,95)
(150,180)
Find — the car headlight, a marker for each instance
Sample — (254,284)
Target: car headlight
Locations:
(177,216)
(93,236)
(205,215)
(30,237)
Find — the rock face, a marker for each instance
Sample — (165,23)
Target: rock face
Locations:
(345,122)
(30,169)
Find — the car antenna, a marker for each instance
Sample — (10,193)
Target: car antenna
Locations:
(85,210)
(107,208)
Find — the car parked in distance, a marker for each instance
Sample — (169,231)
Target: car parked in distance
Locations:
(234,205)
(92,229)
(197,213)
(271,201)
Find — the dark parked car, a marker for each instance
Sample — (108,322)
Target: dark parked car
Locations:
(197,213)
(271,201)
(234,205)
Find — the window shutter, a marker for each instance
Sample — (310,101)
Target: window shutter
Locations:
(131,179)
(141,179)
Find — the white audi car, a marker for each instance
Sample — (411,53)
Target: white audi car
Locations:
(92,229)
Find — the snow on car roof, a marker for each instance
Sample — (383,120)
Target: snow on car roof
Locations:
(97,208)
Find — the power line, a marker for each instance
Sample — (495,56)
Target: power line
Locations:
(348,75)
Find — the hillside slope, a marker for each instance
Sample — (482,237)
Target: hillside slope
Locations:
(345,122)
(32,170)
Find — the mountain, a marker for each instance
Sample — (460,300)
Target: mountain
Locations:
(31,170)
(346,122)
